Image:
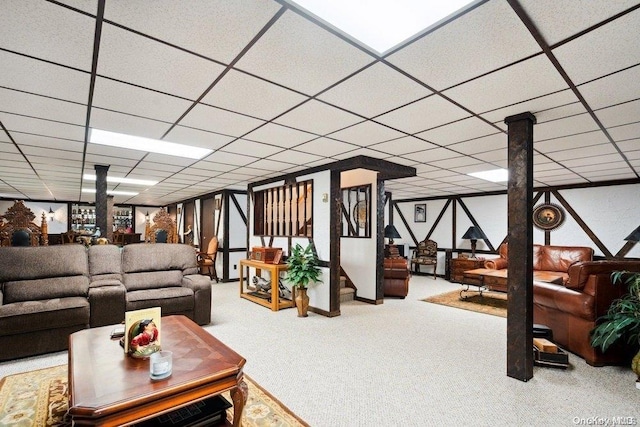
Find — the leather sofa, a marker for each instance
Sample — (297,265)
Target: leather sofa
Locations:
(554,260)
(396,277)
(571,310)
(49,292)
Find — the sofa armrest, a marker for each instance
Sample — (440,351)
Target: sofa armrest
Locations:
(579,272)
(496,264)
(201,286)
(107,302)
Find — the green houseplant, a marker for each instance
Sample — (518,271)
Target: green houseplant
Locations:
(622,318)
(302,271)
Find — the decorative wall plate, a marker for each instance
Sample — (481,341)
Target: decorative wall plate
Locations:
(360,213)
(548,216)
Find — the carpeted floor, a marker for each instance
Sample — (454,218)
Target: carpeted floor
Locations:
(39,398)
(494,303)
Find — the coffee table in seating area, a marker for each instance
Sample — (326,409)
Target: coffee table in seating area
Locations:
(108,388)
(496,280)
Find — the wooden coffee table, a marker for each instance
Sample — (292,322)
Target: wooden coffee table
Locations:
(496,280)
(107,388)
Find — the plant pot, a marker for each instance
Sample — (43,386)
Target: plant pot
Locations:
(302,302)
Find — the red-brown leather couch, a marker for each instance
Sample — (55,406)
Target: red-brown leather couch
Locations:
(554,260)
(571,310)
(396,277)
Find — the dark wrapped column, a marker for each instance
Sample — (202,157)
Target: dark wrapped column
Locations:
(101,198)
(520,235)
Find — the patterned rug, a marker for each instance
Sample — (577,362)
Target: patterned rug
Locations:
(39,398)
(494,303)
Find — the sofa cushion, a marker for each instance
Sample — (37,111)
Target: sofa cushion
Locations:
(44,289)
(42,261)
(30,316)
(558,297)
(141,257)
(171,300)
(559,258)
(105,262)
(152,280)
(579,272)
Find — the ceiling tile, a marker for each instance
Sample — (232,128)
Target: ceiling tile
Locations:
(294,156)
(622,114)
(21,73)
(294,40)
(238,92)
(481,145)
(197,138)
(366,133)
(404,145)
(559,19)
(138,60)
(241,146)
(621,133)
(422,115)
(535,106)
(42,107)
(459,131)
(363,94)
(280,136)
(614,89)
(318,117)
(47,31)
(614,45)
(167,20)
(326,147)
(520,82)
(581,140)
(220,121)
(17,125)
(230,158)
(484,40)
(127,124)
(570,126)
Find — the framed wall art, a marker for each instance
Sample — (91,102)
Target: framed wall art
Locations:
(420,213)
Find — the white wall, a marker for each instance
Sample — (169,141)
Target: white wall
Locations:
(358,254)
(141,220)
(611,212)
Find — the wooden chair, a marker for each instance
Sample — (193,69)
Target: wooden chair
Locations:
(17,227)
(425,254)
(69,237)
(207,260)
(118,237)
(163,230)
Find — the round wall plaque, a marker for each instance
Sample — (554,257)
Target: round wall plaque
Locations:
(360,213)
(548,216)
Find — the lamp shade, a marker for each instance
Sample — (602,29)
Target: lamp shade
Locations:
(474,233)
(633,237)
(390,232)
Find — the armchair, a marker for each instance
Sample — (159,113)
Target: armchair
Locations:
(207,260)
(426,254)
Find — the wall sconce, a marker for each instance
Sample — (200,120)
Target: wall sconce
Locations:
(50,214)
(146,216)
(473,234)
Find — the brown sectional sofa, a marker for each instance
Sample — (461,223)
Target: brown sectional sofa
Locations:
(396,277)
(572,309)
(49,292)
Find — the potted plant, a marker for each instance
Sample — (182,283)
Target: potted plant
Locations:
(622,318)
(302,271)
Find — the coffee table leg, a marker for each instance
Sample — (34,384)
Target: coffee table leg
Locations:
(239,396)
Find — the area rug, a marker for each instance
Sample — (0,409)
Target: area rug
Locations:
(39,398)
(494,303)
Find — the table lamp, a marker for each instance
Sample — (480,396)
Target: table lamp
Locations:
(473,234)
(633,237)
(391,233)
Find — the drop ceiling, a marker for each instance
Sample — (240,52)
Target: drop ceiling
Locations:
(273,90)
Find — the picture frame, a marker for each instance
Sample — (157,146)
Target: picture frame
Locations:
(420,212)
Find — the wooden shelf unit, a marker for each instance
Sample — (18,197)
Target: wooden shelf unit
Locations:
(274,270)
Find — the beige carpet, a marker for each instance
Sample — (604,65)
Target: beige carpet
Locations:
(494,303)
(39,398)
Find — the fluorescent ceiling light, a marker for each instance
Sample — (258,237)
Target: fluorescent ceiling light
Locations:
(496,175)
(382,24)
(122,140)
(132,181)
(112,192)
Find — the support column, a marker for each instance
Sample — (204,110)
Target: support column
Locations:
(520,238)
(101,197)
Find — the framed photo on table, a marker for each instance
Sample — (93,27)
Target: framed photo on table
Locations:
(420,213)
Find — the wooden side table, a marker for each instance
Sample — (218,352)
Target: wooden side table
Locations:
(460,265)
(273,301)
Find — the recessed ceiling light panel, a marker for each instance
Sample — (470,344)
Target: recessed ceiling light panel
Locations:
(130,142)
(118,180)
(495,175)
(381,24)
